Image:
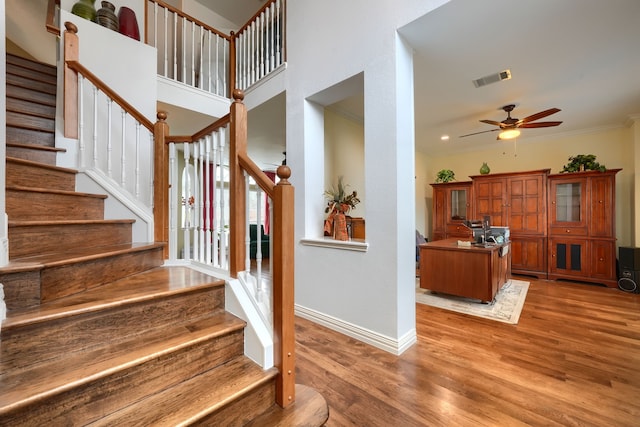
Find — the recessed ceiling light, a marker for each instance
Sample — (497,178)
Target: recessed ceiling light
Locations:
(444,137)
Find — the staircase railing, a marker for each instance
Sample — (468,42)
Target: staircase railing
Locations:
(189,51)
(211,183)
(118,148)
(196,54)
(232,128)
(260,44)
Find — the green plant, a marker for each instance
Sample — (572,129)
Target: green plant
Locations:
(583,162)
(338,199)
(445,175)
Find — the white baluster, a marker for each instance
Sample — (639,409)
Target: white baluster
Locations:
(109,138)
(95,127)
(81,142)
(187,214)
(225,51)
(137,160)
(166,43)
(259,236)
(216,199)
(123,151)
(207,205)
(196,200)
(223,223)
(247,234)
(173,202)
(193,53)
(268,28)
(175,46)
(278,35)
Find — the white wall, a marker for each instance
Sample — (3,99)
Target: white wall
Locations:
(370,294)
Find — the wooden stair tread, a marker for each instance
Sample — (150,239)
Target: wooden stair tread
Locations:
(32,64)
(19,223)
(40,165)
(49,191)
(36,147)
(309,409)
(208,393)
(70,256)
(21,387)
(140,287)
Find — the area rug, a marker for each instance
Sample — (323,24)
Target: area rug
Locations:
(506,307)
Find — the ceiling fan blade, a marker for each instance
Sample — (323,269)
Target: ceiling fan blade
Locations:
(539,115)
(539,125)
(492,122)
(476,133)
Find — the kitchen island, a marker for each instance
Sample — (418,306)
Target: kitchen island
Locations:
(476,271)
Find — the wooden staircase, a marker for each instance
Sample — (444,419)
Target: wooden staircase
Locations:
(98,331)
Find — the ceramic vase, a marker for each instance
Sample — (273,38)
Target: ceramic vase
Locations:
(85,9)
(484,169)
(106,16)
(128,23)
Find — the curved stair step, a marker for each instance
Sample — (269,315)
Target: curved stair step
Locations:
(86,386)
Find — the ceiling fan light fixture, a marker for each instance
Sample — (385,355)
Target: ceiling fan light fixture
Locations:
(509,134)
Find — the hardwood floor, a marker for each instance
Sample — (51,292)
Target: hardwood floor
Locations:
(572,360)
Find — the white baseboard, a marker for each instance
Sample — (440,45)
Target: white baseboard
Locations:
(383,342)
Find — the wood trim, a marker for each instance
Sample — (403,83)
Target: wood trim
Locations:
(130,109)
(161,183)
(223,121)
(70,82)
(237,184)
(256,173)
(51,17)
(283,288)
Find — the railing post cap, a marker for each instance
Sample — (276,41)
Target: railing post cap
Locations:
(71,27)
(284,172)
(162,115)
(238,95)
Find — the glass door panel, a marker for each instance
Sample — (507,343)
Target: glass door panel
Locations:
(458,205)
(568,199)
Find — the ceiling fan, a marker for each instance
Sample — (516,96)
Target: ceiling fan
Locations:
(509,126)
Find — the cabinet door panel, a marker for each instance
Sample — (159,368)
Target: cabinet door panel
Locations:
(527,204)
(602,212)
(568,257)
(529,255)
(567,210)
(603,260)
(439,214)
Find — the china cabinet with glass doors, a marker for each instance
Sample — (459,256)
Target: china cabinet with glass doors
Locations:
(582,226)
(451,208)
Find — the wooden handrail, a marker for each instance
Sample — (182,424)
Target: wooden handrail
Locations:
(256,173)
(255,15)
(51,17)
(130,109)
(190,18)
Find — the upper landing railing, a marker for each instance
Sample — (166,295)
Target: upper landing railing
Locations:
(196,54)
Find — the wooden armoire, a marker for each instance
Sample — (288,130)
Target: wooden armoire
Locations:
(517,200)
(562,225)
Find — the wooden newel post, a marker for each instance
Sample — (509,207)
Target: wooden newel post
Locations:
(283,287)
(70,109)
(237,184)
(161,182)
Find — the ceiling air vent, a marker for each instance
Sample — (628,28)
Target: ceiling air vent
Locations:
(492,78)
